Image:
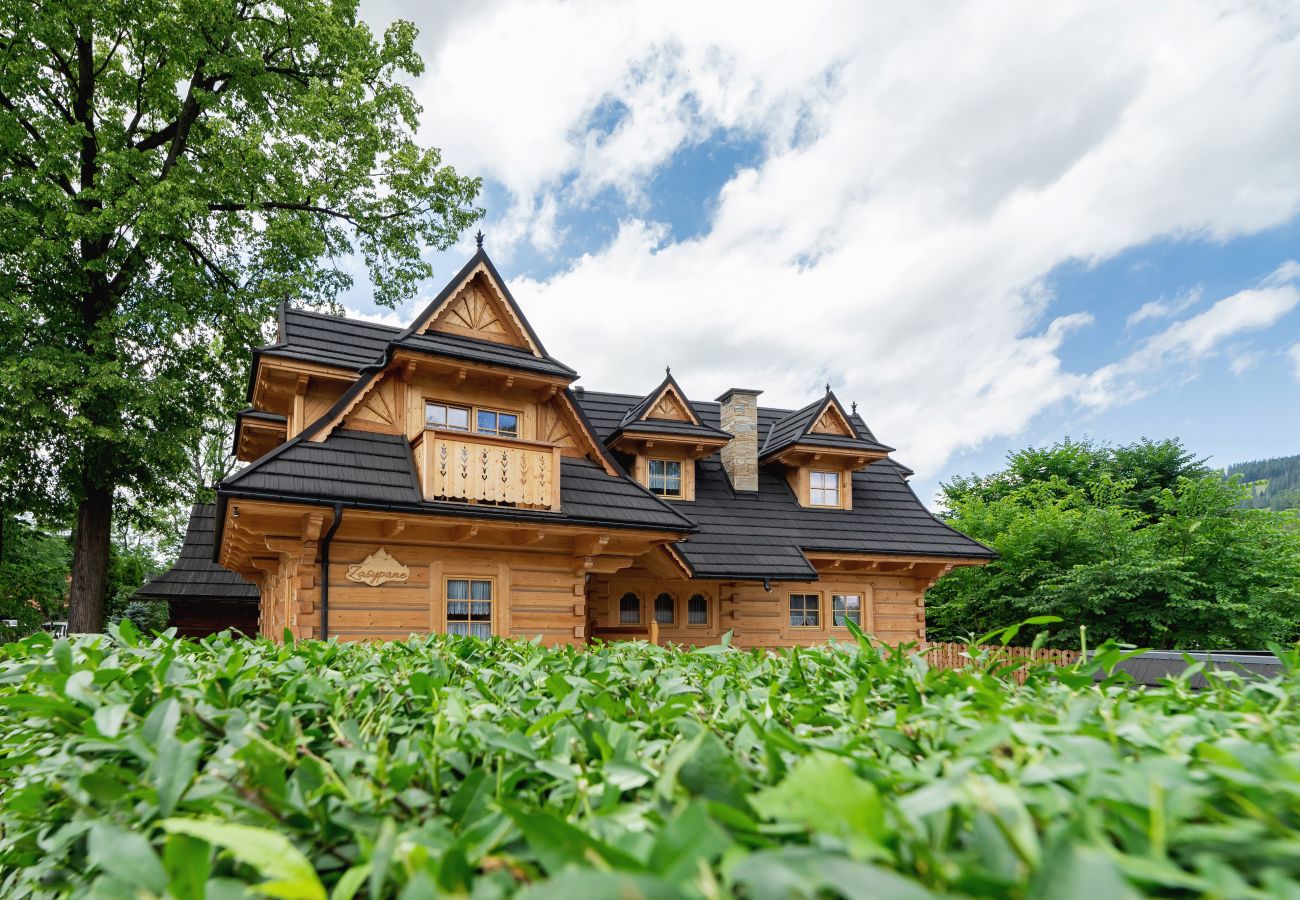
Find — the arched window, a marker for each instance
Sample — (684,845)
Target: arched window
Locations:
(697,610)
(629,609)
(664,613)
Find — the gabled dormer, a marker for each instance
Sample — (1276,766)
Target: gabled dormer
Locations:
(665,436)
(820,449)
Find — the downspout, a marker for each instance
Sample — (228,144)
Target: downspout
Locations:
(325,571)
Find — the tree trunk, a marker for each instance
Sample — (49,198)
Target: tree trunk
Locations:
(90,560)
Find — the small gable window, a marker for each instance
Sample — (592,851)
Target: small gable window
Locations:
(805,611)
(629,609)
(697,610)
(664,613)
(824,489)
(666,477)
(442,415)
(846,608)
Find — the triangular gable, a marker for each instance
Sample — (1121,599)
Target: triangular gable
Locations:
(832,420)
(477,304)
(667,401)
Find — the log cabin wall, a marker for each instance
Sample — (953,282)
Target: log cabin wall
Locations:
(533,593)
(893,608)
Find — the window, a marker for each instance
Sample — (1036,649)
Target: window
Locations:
(469,607)
(440,415)
(824,489)
(664,613)
(489,421)
(629,609)
(458,418)
(697,610)
(805,610)
(666,477)
(845,608)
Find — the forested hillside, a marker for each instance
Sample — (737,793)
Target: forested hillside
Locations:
(1283,477)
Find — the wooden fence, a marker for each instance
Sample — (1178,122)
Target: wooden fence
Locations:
(958,656)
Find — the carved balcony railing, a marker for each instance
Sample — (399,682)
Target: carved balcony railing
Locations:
(483,468)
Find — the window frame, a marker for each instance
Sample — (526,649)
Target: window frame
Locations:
(681,476)
(862,603)
(789,610)
(708,614)
(640,612)
(839,489)
(672,610)
(474,409)
(469,580)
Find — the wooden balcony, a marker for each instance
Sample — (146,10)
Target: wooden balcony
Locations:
(484,468)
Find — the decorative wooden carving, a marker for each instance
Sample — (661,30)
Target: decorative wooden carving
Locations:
(479,310)
(486,469)
(378,568)
(831,422)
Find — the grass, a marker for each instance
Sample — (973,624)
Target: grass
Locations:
(150,767)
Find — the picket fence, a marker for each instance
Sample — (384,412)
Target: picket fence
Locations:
(958,656)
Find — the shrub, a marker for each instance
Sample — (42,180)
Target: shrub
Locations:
(444,764)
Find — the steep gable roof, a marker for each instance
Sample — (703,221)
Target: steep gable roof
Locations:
(823,423)
(667,411)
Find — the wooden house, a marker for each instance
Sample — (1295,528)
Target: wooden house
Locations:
(449,477)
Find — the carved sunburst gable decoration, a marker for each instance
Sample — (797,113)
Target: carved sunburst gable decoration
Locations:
(478,308)
(561,424)
(833,421)
(670,404)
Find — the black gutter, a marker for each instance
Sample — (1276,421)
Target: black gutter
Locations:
(325,571)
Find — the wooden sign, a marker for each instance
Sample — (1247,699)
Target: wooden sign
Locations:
(379,568)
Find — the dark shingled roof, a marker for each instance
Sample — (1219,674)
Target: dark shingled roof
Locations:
(485,352)
(793,429)
(366,468)
(1154,666)
(763,534)
(635,421)
(330,340)
(194,575)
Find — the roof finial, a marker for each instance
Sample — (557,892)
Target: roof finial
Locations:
(478,239)
(668,370)
(855,407)
(828,387)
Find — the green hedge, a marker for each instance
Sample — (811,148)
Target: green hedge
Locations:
(133,767)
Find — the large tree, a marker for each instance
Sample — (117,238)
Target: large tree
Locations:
(170,170)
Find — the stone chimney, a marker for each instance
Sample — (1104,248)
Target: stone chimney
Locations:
(740,456)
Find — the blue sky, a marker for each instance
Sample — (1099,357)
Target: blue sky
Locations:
(1083,221)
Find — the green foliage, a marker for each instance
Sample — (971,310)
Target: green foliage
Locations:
(1274,483)
(1140,543)
(448,765)
(171,171)
(33,573)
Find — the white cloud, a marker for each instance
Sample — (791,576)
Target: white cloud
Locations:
(1164,308)
(1189,340)
(925,168)
(1293,354)
(1245,362)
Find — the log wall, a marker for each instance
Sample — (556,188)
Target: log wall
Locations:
(893,608)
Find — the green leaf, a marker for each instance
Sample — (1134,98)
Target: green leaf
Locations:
(288,874)
(806,873)
(173,770)
(188,864)
(603,886)
(822,793)
(126,855)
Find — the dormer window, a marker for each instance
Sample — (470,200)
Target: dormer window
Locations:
(666,477)
(824,489)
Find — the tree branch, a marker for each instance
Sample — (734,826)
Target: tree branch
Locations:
(273,204)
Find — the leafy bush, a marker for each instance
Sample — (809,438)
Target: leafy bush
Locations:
(1140,543)
(449,764)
